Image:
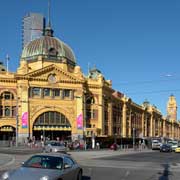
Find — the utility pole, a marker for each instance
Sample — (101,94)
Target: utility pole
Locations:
(84,122)
(134,138)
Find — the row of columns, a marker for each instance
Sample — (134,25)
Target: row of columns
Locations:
(158,125)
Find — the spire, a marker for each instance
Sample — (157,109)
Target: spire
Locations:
(48,29)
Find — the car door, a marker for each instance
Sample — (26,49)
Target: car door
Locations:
(69,170)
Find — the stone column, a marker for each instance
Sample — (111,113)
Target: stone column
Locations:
(172,131)
(61,94)
(151,126)
(110,120)
(124,120)
(129,128)
(164,128)
(142,125)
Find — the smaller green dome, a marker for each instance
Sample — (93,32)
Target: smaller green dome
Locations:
(49,47)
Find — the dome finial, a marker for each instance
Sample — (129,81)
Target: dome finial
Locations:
(48,29)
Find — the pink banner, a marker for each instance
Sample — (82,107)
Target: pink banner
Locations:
(80,121)
(24,119)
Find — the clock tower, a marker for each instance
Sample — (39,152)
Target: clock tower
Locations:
(172,108)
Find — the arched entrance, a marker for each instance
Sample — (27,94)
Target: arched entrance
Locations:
(52,125)
(7,133)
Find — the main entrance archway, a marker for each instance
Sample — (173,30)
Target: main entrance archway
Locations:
(52,125)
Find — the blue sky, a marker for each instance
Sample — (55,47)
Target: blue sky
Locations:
(135,43)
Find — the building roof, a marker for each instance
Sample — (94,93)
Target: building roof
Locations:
(48,47)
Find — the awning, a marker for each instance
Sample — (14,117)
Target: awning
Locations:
(7,129)
(52,128)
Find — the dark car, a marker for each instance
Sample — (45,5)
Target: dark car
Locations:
(114,146)
(46,167)
(165,148)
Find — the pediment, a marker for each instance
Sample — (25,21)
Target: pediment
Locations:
(61,75)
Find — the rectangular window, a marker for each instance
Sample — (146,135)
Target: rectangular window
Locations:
(7,111)
(1,110)
(46,117)
(66,93)
(51,116)
(36,91)
(56,92)
(93,114)
(57,118)
(46,92)
(63,120)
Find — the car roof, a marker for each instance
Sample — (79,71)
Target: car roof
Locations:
(53,154)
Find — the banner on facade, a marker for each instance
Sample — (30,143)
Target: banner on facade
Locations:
(79,121)
(24,119)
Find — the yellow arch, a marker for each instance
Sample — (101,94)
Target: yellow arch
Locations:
(38,113)
(8,90)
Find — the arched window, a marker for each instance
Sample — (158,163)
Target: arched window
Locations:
(52,118)
(90,100)
(53,52)
(7,95)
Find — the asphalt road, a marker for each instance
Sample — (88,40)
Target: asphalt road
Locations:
(139,166)
(142,166)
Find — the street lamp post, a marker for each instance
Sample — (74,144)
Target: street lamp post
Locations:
(84,118)
(17,122)
(84,122)
(115,138)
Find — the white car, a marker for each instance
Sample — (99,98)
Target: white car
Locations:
(156,145)
(54,146)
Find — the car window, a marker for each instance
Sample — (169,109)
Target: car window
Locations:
(68,161)
(56,144)
(48,162)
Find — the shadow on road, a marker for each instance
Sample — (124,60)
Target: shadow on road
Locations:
(86,178)
(165,174)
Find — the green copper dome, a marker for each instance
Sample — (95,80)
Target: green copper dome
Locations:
(50,48)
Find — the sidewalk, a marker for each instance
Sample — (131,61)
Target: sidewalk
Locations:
(19,150)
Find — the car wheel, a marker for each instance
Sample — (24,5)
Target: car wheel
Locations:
(79,176)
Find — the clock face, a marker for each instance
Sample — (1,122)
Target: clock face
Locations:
(52,78)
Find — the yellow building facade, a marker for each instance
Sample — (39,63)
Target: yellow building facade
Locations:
(49,96)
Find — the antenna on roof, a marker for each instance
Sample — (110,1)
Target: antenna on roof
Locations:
(88,68)
(7,62)
(49,9)
(48,29)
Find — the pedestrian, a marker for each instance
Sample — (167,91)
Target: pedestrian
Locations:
(97,146)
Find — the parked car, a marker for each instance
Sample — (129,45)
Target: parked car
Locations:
(165,148)
(54,146)
(156,145)
(46,167)
(174,144)
(177,150)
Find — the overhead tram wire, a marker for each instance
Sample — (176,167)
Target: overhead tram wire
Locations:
(146,82)
(153,92)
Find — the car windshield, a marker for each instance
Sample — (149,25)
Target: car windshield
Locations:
(47,162)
